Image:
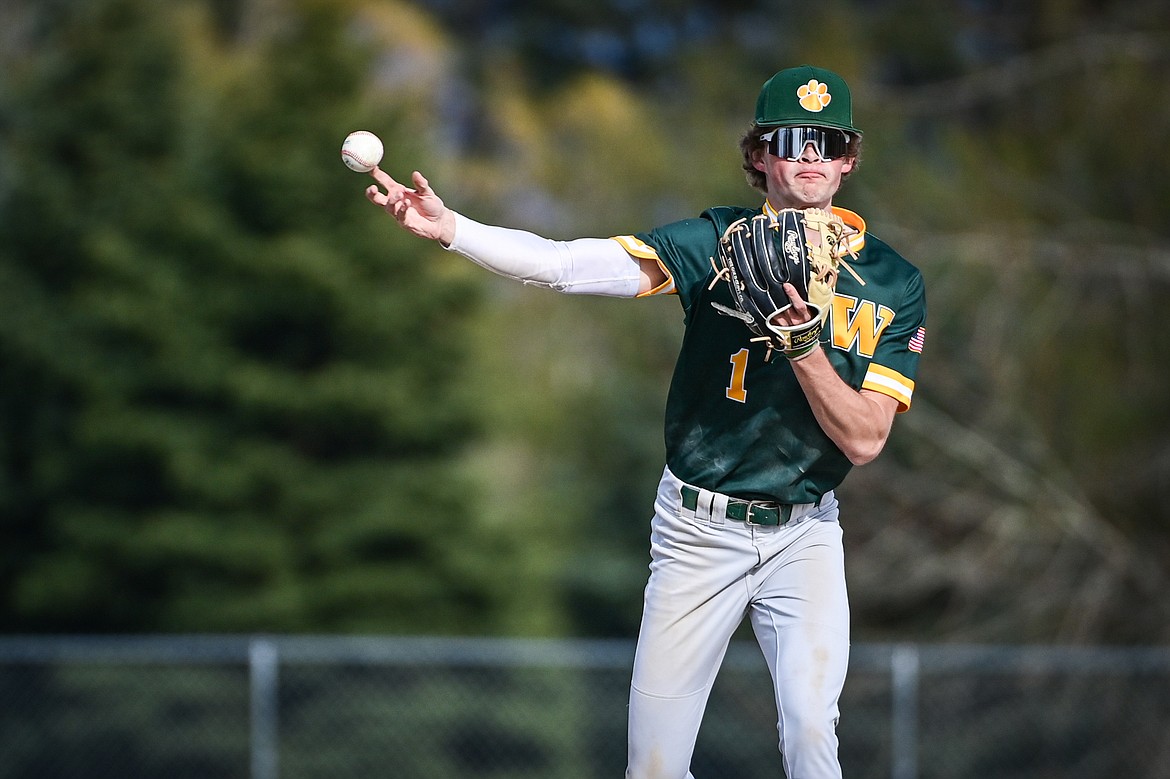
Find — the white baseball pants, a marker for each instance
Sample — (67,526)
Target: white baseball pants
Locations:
(707,572)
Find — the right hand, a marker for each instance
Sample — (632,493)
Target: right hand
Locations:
(418,210)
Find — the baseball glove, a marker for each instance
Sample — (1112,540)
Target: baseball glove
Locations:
(757,256)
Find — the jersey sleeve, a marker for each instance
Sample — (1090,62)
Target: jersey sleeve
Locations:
(638,248)
(683,250)
(894,367)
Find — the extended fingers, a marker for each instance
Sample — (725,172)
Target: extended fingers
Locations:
(394,199)
(376,196)
(393,188)
(421,184)
(384,178)
(419,210)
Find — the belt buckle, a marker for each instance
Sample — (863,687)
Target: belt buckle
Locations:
(762,505)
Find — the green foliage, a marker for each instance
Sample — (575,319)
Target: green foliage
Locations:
(228,399)
(233,396)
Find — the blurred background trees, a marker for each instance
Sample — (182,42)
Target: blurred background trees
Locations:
(234,397)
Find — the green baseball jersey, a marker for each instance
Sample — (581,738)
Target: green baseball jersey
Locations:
(742,426)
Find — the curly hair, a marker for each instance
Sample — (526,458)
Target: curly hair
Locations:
(750,144)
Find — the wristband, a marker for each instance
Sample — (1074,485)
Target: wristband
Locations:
(798,356)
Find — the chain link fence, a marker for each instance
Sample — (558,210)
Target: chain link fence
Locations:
(300,707)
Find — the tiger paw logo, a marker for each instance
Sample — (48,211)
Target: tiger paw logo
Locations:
(814,96)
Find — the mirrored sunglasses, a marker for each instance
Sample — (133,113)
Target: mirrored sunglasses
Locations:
(790,142)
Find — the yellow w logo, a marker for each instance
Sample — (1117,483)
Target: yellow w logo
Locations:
(858,324)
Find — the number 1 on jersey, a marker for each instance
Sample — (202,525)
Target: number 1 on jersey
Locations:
(736,390)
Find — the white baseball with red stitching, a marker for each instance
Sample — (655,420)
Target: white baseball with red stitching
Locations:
(361,151)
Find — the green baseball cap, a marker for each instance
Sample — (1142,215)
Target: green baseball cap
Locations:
(806,96)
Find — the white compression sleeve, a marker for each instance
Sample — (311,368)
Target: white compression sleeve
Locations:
(584,266)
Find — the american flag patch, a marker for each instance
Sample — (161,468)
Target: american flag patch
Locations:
(917,340)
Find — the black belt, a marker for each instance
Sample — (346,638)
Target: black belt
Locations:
(751,512)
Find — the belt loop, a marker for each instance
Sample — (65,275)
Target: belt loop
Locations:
(718,508)
(703,510)
(687,503)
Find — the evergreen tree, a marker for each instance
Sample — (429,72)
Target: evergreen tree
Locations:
(229,396)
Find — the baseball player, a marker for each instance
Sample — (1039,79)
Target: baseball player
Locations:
(745,520)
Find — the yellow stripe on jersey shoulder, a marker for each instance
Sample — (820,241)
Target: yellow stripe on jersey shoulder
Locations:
(638,248)
(889,382)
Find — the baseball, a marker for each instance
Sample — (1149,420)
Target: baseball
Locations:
(361,151)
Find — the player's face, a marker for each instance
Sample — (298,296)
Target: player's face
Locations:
(806,182)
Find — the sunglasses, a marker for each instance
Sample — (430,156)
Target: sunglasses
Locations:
(790,142)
